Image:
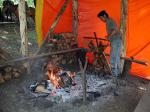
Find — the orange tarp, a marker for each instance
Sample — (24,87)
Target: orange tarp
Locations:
(50,10)
(138,37)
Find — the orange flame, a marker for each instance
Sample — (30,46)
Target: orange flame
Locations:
(54,78)
(53,74)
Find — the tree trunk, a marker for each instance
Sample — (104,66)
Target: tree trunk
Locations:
(23,32)
(124,10)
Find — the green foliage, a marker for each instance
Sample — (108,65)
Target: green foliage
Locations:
(1,2)
(30,2)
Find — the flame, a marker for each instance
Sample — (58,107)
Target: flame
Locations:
(53,73)
(54,78)
(71,74)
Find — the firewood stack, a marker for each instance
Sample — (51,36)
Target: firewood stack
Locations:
(62,42)
(4,55)
(7,73)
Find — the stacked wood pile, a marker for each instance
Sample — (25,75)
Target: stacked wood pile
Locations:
(4,56)
(62,42)
(7,72)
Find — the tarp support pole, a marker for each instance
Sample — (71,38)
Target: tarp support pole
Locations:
(75,19)
(23,32)
(124,10)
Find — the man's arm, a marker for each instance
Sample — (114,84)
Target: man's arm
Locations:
(113,32)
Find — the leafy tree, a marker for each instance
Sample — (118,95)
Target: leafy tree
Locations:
(30,2)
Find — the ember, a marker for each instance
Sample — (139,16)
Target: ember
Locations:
(58,76)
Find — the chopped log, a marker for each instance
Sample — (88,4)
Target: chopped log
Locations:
(16,74)
(60,42)
(8,69)
(4,55)
(1,79)
(7,76)
(8,72)
(49,34)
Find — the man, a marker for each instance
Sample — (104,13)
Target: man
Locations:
(114,37)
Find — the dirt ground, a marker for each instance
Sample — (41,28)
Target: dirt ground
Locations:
(13,97)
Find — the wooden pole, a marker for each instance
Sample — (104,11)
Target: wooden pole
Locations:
(49,34)
(132,60)
(23,32)
(98,38)
(75,18)
(66,51)
(124,7)
(83,76)
(42,55)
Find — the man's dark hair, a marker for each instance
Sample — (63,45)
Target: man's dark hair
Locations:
(102,13)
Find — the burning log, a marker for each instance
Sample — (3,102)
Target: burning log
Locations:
(58,76)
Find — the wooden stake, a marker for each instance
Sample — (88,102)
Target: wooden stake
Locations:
(83,76)
(49,34)
(23,32)
(124,7)
(75,18)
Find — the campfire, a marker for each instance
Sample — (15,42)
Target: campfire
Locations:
(65,86)
(58,76)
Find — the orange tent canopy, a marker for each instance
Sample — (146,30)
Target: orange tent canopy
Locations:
(138,37)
